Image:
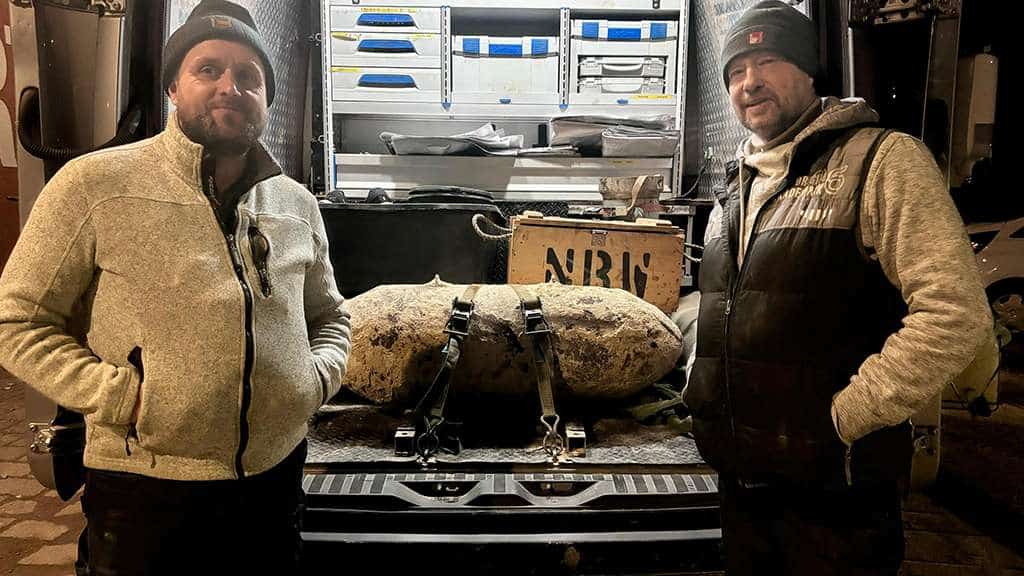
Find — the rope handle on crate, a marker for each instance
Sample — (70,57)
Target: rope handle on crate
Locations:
(505,232)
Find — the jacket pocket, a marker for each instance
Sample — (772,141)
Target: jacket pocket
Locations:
(703,393)
(132,432)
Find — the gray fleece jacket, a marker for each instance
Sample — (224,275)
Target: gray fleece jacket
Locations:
(909,222)
(124,242)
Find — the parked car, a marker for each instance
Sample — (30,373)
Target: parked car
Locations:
(999,247)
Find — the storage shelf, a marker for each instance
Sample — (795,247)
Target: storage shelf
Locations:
(495,111)
(569,179)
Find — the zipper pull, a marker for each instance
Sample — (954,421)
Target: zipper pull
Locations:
(265,286)
(260,256)
(728,307)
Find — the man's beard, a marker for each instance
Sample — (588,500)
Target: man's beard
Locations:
(202,129)
(785,119)
(772,130)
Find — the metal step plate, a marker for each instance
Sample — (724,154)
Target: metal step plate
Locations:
(541,490)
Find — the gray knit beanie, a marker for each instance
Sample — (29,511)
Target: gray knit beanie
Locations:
(777,27)
(215,19)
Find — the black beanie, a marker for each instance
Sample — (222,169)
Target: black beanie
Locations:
(215,20)
(775,26)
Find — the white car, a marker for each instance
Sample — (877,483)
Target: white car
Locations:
(1000,251)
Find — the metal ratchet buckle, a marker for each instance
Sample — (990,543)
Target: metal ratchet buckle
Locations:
(458,322)
(534,322)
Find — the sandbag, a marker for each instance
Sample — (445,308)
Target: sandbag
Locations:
(609,343)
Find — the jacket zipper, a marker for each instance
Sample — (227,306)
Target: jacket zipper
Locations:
(848,465)
(239,267)
(732,297)
(848,456)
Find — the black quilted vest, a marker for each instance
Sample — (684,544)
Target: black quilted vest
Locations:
(779,337)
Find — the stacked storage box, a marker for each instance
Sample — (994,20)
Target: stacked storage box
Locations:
(386,54)
(505,70)
(623,61)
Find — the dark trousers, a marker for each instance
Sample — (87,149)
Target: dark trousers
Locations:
(138,525)
(769,530)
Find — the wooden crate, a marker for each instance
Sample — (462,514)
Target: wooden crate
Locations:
(644,258)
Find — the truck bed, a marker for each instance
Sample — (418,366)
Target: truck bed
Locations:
(353,433)
(640,501)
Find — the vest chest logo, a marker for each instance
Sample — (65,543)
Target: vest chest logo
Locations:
(822,183)
(816,200)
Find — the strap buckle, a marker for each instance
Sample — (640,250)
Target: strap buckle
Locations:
(534,322)
(458,322)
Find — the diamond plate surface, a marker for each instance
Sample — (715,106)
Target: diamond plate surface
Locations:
(285,29)
(719,131)
(360,433)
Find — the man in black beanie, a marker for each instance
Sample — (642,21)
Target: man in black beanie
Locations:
(838,295)
(215,327)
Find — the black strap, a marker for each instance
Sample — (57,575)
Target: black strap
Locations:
(434,431)
(536,328)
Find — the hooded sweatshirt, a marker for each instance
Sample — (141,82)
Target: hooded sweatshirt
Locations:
(909,224)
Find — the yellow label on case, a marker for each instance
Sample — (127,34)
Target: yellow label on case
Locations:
(389,10)
(653,96)
(340,69)
(345,36)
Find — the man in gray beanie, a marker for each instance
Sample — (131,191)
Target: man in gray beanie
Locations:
(838,295)
(215,329)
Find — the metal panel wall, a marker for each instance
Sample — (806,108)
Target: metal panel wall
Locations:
(286,31)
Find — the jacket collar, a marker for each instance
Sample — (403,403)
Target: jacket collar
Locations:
(186,157)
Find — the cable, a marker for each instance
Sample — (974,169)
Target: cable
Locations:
(700,174)
(29,114)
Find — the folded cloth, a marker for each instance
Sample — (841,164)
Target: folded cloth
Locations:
(486,139)
(585,132)
(631,142)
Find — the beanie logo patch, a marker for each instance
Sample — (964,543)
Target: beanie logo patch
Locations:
(220,22)
(755,38)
